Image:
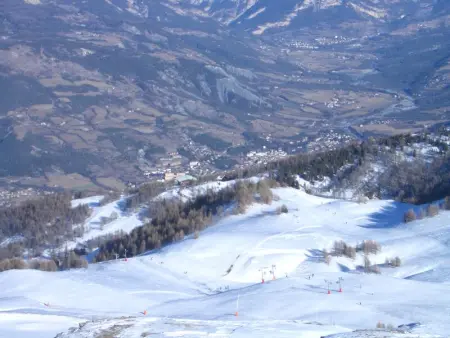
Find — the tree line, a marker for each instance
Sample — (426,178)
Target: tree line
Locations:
(50,220)
(43,222)
(413,182)
(62,261)
(172,220)
(419,181)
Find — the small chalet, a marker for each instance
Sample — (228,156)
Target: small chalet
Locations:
(185,180)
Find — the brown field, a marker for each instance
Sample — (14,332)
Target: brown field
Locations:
(311,110)
(144,129)
(322,61)
(69,94)
(297,118)
(55,140)
(168,57)
(190,54)
(75,141)
(71,181)
(228,136)
(353,113)
(385,129)
(97,39)
(262,126)
(20,131)
(58,81)
(40,110)
(111,183)
(273,76)
(321,96)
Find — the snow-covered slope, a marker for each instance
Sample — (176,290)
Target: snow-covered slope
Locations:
(93,226)
(193,288)
(127,221)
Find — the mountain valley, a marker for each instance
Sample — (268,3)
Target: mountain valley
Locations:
(97,94)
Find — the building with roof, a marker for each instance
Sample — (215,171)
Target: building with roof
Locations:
(185,179)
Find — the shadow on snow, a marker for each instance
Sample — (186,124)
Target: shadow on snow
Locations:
(389,216)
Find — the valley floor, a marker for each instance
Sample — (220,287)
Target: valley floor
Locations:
(195,287)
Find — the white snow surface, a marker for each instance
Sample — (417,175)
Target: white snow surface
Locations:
(91,201)
(188,193)
(191,288)
(11,240)
(126,221)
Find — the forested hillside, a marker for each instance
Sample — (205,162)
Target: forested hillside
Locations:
(408,168)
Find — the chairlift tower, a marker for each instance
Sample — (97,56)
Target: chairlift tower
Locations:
(273,271)
(263,272)
(340,283)
(328,286)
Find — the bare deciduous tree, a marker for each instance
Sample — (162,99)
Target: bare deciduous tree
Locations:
(265,192)
(432,210)
(409,216)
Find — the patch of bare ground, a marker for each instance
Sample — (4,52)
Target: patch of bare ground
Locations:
(298,119)
(54,140)
(386,129)
(20,131)
(184,32)
(262,126)
(322,61)
(40,110)
(56,80)
(75,141)
(190,54)
(112,332)
(144,129)
(69,94)
(321,81)
(353,113)
(414,28)
(105,40)
(112,183)
(321,96)
(165,56)
(21,59)
(293,96)
(273,76)
(311,110)
(70,182)
(230,136)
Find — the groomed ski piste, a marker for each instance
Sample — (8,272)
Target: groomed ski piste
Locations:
(212,286)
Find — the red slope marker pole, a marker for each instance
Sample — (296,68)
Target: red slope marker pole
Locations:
(328,286)
(339,282)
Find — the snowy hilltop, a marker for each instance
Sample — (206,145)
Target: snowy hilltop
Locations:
(297,266)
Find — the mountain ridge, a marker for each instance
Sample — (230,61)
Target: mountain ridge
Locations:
(241,14)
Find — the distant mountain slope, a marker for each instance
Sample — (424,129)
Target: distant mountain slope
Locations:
(114,81)
(99,94)
(260,16)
